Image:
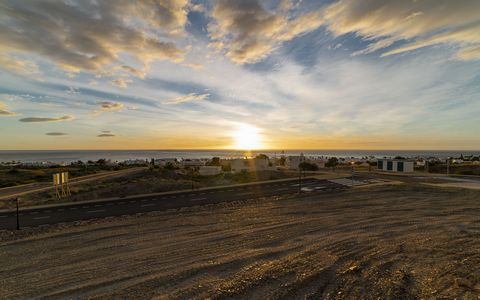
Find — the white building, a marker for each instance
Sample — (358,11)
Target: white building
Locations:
(134,162)
(320,162)
(209,170)
(292,162)
(192,163)
(395,165)
(164,161)
(250,165)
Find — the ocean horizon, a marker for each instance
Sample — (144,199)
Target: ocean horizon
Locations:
(67,156)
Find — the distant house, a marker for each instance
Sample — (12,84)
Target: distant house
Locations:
(250,165)
(134,162)
(192,163)
(164,161)
(209,170)
(395,165)
(293,162)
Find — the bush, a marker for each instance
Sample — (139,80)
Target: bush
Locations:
(308,166)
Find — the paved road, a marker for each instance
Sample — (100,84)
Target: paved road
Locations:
(31,217)
(16,191)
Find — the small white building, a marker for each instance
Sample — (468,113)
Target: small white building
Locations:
(164,161)
(292,162)
(395,165)
(250,165)
(135,162)
(192,163)
(209,170)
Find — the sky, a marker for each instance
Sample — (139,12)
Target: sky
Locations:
(290,74)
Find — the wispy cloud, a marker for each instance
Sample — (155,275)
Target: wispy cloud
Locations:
(20,66)
(105,135)
(188,98)
(121,82)
(39,119)
(5,112)
(426,22)
(56,133)
(108,106)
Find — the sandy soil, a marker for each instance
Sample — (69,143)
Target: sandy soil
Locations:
(399,242)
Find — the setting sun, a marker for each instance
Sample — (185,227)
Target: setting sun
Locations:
(247,137)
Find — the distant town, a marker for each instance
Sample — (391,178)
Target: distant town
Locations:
(462,165)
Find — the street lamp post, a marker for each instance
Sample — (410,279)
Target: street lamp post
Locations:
(353,170)
(299,180)
(448,166)
(18,216)
(193,186)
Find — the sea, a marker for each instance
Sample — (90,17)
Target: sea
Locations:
(67,156)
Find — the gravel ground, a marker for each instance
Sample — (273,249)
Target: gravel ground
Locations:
(398,242)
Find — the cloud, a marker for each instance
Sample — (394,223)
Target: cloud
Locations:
(121,82)
(38,119)
(416,23)
(20,67)
(91,36)
(105,135)
(197,7)
(4,112)
(107,106)
(247,33)
(56,133)
(188,98)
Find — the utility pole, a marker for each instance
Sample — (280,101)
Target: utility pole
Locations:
(18,217)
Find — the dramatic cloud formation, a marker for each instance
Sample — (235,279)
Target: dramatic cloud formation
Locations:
(37,119)
(426,22)
(4,111)
(248,33)
(56,133)
(180,73)
(91,35)
(188,98)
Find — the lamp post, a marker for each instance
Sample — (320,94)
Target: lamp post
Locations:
(18,217)
(193,187)
(299,180)
(353,170)
(448,166)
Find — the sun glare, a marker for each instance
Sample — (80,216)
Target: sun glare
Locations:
(247,137)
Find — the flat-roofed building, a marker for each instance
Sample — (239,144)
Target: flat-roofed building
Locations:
(209,170)
(250,165)
(395,165)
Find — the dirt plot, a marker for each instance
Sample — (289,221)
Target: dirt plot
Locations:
(399,242)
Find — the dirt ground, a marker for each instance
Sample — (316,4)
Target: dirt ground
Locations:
(398,242)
